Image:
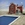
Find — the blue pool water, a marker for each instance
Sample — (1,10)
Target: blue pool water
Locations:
(5,20)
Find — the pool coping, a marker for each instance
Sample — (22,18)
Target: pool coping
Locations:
(14,21)
(9,15)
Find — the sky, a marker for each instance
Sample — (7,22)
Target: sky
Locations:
(4,4)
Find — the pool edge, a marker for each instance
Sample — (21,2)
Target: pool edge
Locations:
(14,20)
(9,15)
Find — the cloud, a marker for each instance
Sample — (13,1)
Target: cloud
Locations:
(21,2)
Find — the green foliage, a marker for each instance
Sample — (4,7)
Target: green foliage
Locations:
(23,13)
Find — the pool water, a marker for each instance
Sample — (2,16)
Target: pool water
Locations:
(5,20)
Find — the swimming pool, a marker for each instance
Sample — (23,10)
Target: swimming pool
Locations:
(5,20)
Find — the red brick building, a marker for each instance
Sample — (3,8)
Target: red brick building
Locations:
(12,8)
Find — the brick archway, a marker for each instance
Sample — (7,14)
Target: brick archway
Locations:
(20,9)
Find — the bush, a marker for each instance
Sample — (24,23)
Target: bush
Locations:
(23,13)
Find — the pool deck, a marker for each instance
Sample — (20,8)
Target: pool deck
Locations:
(20,21)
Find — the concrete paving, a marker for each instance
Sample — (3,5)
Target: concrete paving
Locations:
(20,21)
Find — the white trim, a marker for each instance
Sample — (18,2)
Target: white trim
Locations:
(9,15)
(14,20)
